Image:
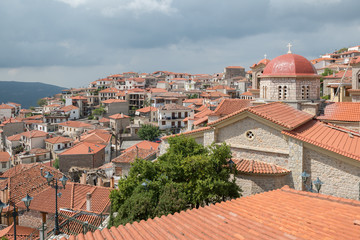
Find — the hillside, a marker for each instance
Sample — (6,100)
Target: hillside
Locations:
(26,93)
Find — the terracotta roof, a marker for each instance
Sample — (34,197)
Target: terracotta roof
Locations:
(79,98)
(130,155)
(214,94)
(104,120)
(220,87)
(118,116)
(189,132)
(5,106)
(73,197)
(234,67)
(21,232)
(339,75)
(15,104)
(194,100)
(4,157)
(173,106)
(144,145)
(330,137)
(34,134)
(157,90)
(342,111)
(97,136)
(228,106)
(75,124)
(68,108)
(280,214)
(258,167)
(114,101)
(15,137)
(276,112)
(83,148)
(246,94)
(58,139)
(35,117)
(11,120)
(109,90)
(147,109)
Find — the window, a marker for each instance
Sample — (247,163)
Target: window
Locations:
(163,122)
(3,165)
(302,92)
(186,114)
(285,93)
(307,92)
(250,135)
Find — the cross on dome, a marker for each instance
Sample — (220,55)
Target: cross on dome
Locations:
(289,46)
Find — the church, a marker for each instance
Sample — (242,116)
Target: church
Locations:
(278,138)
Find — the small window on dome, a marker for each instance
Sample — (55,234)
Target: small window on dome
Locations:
(280,93)
(303,92)
(307,92)
(285,92)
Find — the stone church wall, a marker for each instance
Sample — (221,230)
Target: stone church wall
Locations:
(265,137)
(340,178)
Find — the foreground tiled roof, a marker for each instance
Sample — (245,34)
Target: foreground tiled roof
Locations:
(34,134)
(97,136)
(280,214)
(228,106)
(144,145)
(276,112)
(15,137)
(257,167)
(342,111)
(73,197)
(336,139)
(68,108)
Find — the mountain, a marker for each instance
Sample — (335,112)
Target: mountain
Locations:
(26,93)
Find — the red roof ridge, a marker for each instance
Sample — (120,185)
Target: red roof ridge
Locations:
(189,132)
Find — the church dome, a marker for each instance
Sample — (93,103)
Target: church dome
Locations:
(289,65)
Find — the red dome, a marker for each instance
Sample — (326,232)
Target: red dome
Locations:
(289,65)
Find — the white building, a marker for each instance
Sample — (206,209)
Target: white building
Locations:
(171,116)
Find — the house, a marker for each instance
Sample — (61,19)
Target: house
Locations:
(33,139)
(17,107)
(108,93)
(119,122)
(6,111)
(74,128)
(57,145)
(72,111)
(99,136)
(136,98)
(171,116)
(5,161)
(83,154)
(146,115)
(234,71)
(32,156)
(168,98)
(113,106)
(278,134)
(281,214)
(337,86)
(10,127)
(13,144)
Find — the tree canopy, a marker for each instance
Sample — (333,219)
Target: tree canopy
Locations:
(149,132)
(41,102)
(188,175)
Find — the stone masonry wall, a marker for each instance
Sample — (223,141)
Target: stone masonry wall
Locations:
(265,137)
(340,178)
(209,137)
(81,160)
(252,184)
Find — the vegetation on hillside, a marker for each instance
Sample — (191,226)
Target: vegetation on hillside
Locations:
(148,132)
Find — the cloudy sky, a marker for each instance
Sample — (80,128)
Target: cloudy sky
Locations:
(73,42)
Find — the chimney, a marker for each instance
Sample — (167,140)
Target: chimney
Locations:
(112,184)
(100,182)
(122,115)
(83,178)
(88,202)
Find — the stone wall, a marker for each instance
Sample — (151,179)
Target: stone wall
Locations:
(340,178)
(252,184)
(355,98)
(209,137)
(264,137)
(81,160)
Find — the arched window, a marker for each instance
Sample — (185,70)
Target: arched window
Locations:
(285,92)
(307,92)
(302,92)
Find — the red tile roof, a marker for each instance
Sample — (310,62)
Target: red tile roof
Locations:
(4,157)
(189,132)
(234,67)
(68,108)
(144,145)
(173,106)
(83,148)
(104,120)
(131,155)
(114,101)
(109,90)
(96,136)
(336,139)
(258,167)
(5,106)
(58,139)
(280,214)
(342,111)
(73,197)
(34,134)
(118,116)
(228,106)
(75,124)
(15,137)
(147,109)
(79,98)
(276,112)
(22,233)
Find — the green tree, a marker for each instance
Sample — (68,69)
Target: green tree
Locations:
(148,132)
(41,102)
(56,163)
(99,111)
(187,175)
(327,72)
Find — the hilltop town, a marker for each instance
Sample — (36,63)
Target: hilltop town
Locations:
(292,125)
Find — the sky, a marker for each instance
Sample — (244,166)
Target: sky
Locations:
(70,43)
